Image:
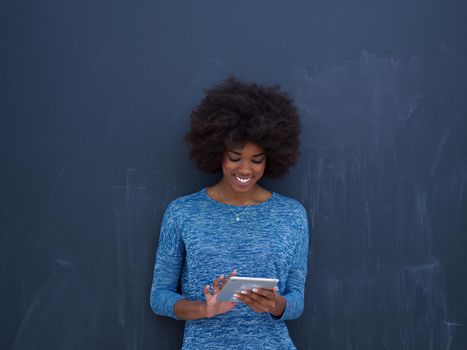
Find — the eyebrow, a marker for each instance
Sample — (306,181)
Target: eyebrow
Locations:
(239,153)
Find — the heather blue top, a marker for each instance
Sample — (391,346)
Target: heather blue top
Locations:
(200,240)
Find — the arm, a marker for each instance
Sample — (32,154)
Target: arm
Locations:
(291,304)
(295,285)
(164,298)
(190,309)
(169,260)
(165,301)
(194,310)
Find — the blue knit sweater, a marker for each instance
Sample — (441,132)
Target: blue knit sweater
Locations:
(200,240)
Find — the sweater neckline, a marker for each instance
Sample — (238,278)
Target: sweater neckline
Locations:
(266,202)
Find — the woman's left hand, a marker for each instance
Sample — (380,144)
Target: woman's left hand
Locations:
(263,300)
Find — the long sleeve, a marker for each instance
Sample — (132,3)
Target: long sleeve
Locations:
(200,240)
(169,260)
(295,285)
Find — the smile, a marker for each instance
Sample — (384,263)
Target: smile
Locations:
(243,180)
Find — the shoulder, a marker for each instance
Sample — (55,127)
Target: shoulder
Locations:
(182,208)
(185,204)
(288,203)
(291,209)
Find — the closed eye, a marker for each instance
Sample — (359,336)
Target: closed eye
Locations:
(254,161)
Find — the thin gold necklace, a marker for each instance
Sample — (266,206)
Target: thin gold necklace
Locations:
(237,215)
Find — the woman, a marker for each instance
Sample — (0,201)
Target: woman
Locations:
(235,227)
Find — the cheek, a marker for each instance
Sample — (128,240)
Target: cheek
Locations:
(226,166)
(261,168)
(261,172)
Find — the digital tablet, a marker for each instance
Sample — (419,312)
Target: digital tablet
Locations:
(237,284)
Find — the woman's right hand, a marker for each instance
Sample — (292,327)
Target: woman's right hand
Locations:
(213,306)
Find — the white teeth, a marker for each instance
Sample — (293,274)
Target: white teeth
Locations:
(242,180)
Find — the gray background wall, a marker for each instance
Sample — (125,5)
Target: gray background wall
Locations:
(94,100)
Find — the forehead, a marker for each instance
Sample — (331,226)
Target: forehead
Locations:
(248,148)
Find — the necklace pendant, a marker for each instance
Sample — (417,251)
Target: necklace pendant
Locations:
(237,218)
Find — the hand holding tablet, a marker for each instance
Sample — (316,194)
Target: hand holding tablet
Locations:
(237,284)
(260,294)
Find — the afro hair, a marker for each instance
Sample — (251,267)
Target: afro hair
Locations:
(233,113)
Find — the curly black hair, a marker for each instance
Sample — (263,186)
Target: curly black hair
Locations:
(233,113)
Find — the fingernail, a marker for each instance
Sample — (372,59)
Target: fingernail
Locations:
(237,295)
(222,276)
(254,290)
(276,288)
(244,292)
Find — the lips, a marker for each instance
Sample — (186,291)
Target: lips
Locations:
(243,180)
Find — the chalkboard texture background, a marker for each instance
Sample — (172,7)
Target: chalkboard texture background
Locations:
(94,101)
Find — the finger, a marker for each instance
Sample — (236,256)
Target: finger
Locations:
(251,294)
(246,300)
(264,302)
(233,273)
(206,291)
(254,305)
(215,285)
(257,303)
(275,290)
(268,294)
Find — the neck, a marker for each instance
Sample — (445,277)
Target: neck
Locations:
(236,198)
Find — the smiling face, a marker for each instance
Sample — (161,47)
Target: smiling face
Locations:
(243,167)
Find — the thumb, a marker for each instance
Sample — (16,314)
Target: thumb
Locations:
(206,291)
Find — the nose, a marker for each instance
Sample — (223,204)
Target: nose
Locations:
(244,168)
